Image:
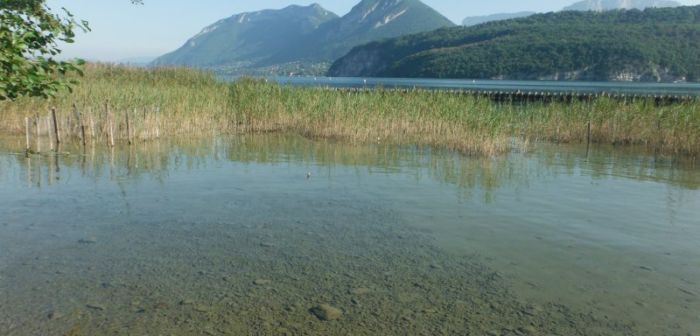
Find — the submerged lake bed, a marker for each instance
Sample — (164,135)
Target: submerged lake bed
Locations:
(278,234)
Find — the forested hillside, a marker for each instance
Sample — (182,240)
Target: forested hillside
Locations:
(660,44)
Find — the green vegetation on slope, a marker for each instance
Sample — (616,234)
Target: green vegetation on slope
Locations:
(651,45)
(181,102)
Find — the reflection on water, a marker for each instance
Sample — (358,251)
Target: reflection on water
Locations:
(230,236)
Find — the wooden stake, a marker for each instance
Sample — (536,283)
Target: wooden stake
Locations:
(37,122)
(111,124)
(55,126)
(92,125)
(26,122)
(128,127)
(81,125)
(588,140)
(48,131)
(588,137)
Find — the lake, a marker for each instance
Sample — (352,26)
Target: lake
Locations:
(282,235)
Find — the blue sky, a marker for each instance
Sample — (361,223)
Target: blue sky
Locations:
(121,30)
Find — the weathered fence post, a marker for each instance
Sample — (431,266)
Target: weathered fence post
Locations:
(81,125)
(92,126)
(55,126)
(128,127)
(588,135)
(26,125)
(111,124)
(37,123)
(48,131)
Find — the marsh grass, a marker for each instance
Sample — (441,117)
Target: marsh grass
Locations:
(189,103)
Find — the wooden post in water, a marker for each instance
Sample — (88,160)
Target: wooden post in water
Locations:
(111,124)
(128,127)
(55,127)
(37,123)
(48,131)
(92,126)
(588,135)
(26,125)
(81,124)
(588,139)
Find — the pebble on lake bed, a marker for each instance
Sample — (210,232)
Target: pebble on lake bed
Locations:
(528,330)
(262,282)
(201,308)
(53,315)
(326,312)
(95,306)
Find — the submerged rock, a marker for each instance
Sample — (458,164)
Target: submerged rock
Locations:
(54,315)
(326,312)
(95,306)
(528,330)
(262,282)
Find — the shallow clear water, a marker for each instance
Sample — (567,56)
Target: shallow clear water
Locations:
(231,236)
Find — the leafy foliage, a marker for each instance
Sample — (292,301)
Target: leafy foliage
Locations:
(29,37)
(655,44)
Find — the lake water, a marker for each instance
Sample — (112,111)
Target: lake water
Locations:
(249,235)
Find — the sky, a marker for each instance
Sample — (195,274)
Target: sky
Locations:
(122,31)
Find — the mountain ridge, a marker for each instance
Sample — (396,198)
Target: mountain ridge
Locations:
(299,36)
(584,5)
(567,45)
(248,38)
(605,5)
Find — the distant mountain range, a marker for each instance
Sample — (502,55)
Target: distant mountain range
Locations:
(584,41)
(659,44)
(605,5)
(586,5)
(475,20)
(299,39)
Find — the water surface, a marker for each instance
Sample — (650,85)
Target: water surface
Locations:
(247,235)
(581,87)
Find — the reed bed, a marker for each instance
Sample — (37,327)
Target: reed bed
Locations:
(131,104)
(156,102)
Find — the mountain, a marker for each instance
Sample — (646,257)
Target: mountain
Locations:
(300,37)
(372,20)
(657,44)
(586,5)
(475,20)
(604,5)
(248,39)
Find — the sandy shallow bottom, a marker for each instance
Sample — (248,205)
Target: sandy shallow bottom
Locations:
(263,273)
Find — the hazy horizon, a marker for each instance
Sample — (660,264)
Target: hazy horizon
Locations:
(122,31)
